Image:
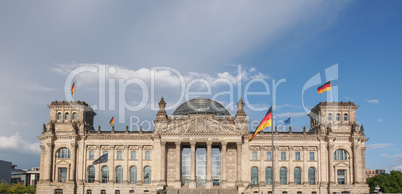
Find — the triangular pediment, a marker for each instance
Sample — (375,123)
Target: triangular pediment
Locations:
(200,125)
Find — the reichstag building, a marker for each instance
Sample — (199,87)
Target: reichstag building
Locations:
(201,148)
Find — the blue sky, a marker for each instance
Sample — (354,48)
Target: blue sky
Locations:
(41,42)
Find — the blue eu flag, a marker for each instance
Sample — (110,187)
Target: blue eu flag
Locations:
(287,121)
(101,159)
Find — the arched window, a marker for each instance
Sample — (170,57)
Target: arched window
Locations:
(74,116)
(63,153)
(59,116)
(311,176)
(330,117)
(89,191)
(91,174)
(133,174)
(268,176)
(254,175)
(337,116)
(345,117)
(297,176)
(67,116)
(299,192)
(119,174)
(283,176)
(105,174)
(340,154)
(147,175)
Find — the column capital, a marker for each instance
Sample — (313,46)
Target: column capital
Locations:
(178,143)
(238,143)
(209,143)
(364,148)
(305,148)
(291,148)
(163,143)
(193,143)
(224,143)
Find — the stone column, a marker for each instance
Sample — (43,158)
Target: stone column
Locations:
(163,164)
(357,164)
(111,156)
(276,165)
(49,162)
(42,162)
(98,174)
(262,166)
(178,162)
(331,164)
(140,169)
(73,162)
(192,166)
(291,168)
(209,165)
(239,182)
(126,167)
(363,172)
(306,157)
(223,164)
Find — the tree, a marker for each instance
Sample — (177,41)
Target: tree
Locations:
(4,187)
(389,183)
(17,188)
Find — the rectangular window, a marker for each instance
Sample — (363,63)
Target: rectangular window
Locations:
(105,152)
(312,158)
(117,192)
(91,154)
(58,191)
(341,175)
(147,155)
(119,155)
(269,155)
(283,155)
(254,156)
(63,175)
(297,155)
(133,155)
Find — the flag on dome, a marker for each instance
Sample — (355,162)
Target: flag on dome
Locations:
(325,87)
(72,88)
(111,121)
(266,122)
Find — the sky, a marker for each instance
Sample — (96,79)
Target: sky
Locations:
(139,51)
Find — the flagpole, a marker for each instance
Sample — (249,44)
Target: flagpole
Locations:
(331,88)
(272,158)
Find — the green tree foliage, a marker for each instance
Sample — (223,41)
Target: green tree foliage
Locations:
(4,187)
(17,188)
(389,183)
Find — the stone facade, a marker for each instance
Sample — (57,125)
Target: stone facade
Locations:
(328,158)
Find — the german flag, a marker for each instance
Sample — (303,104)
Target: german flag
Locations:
(72,88)
(325,87)
(266,122)
(111,121)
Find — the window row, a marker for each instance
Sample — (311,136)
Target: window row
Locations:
(283,156)
(89,191)
(119,154)
(339,154)
(345,117)
(283,176)
(66,116)
(119,174)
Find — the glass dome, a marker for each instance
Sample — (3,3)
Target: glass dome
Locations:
(201,106)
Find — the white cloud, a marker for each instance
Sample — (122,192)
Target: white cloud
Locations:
(373,101)
(380,120)
(398,168)
(166,75)
(377,146)
(15,142)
